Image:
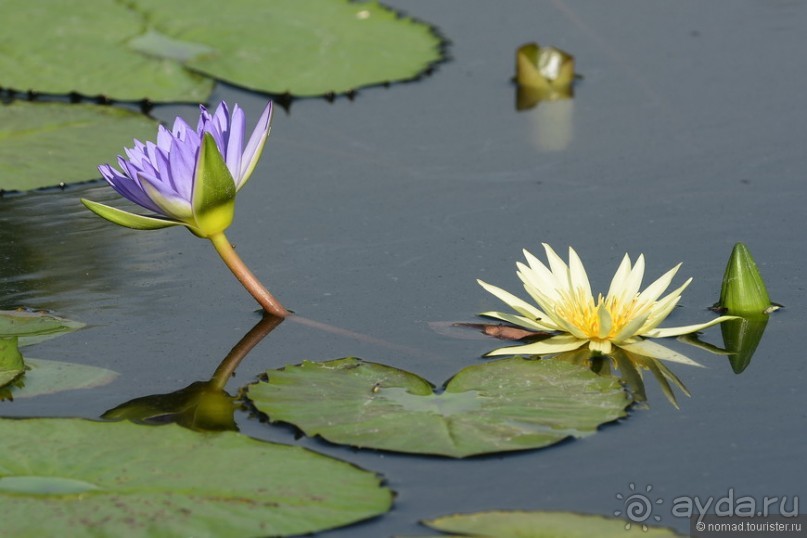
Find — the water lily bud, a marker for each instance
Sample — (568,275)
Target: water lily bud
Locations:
(543,74)
(743,291)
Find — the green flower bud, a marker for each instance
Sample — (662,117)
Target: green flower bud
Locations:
(743,291)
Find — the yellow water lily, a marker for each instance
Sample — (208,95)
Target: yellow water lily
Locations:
(624,317)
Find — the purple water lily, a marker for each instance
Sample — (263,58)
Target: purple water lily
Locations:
(190,178)
(164,177)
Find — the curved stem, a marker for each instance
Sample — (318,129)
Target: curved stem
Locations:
(245,276)
(257,333)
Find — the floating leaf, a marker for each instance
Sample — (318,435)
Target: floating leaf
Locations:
(540,524)
(49,377)
(76,46)
(511,404)
(136,51)
(122,479)
(32,327)
(46,144)
(277,46)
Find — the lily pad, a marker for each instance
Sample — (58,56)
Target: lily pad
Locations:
(510,404)
(160,51)
(122,479)
(32,327)
(48,377)
(304,48)
(77,46)
(540,524)
(47,144)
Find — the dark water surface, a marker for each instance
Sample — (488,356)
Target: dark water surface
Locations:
(686,135)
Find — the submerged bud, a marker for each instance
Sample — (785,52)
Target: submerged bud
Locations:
(743,291)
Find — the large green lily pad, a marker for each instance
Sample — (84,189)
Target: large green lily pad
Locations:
(156,50)
(510,404)
(75,478)
(77,46)
(539,524)
(277,46)
(47,144)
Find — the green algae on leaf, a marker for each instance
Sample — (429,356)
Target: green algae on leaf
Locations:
(113,479)
(278,46)
(49,144)
(77,46)
(540,524)
(510,404)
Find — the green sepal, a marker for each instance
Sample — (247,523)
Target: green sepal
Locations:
(743,291)
(213,191)
(124,218)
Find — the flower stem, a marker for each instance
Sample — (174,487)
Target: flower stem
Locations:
(245,276)
(227,367)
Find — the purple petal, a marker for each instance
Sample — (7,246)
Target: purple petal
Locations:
(183,168)
(221,119)
(204,117)
(127,187)
(235,143)
(255,145)
(163,138)
(181,129)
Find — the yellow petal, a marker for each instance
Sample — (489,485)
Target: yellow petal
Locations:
(556,344)
(686,329)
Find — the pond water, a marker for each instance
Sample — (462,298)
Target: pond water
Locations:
(686,135)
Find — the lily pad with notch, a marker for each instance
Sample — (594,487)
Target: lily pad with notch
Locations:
(503,405)
(122,479)
(75,46)
(286,46)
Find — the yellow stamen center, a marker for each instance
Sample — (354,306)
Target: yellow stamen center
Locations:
(600,321)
